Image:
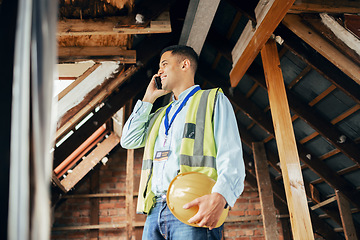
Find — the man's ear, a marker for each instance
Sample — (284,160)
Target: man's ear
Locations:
(186,64)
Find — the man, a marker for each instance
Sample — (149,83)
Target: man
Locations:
(196,132)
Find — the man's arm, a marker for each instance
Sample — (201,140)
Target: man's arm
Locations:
(134,131)
(229,164)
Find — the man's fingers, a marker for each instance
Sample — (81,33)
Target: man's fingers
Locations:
(196,218)
(191,204)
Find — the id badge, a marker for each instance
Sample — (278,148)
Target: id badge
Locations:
(162,156)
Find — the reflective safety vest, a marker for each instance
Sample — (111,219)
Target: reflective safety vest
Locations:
(197,151)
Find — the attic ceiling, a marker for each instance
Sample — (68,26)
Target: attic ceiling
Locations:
(318,45)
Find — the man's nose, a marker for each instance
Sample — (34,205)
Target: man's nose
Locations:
(160,71)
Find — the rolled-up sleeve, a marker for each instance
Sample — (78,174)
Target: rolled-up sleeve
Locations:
(229,160)
(134,131)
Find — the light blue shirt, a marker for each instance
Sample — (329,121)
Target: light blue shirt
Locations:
(229,159)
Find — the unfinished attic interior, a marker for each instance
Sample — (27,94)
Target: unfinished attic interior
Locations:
(291,70)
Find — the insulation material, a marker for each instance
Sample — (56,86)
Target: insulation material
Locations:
(78,93)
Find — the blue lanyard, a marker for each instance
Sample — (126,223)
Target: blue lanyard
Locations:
(167,124)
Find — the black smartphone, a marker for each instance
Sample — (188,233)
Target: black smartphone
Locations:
(158,82)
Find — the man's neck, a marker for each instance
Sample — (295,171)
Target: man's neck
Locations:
(181,89)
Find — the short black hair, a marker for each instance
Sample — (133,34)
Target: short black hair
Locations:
(183,51)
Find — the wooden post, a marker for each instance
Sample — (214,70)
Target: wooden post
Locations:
(94,203)
(285,139)
(268,210)
(346,218)
(130,214)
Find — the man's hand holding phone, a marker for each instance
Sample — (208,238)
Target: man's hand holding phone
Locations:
(154,90)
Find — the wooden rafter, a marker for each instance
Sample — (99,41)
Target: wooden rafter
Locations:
(76,54)
(273,160)
(320,63)
(127,90)
(268,15)
(77,81)
(110,26)
(197,23)
(346,218)
(329,6)
(295,24)
(69,120)
(285,139)
(265,191)
(90,161)
(305,112)
(265,122)
(335,33)
(280,203)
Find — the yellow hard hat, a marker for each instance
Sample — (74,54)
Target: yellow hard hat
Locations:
(186,187)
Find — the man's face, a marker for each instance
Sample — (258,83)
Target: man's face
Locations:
(170,71)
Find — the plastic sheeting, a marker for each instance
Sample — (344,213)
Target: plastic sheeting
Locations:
(33,122)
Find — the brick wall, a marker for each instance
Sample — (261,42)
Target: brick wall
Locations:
(112,211)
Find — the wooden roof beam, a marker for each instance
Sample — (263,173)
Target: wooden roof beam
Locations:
(77,54)
(127,90)
(268,15)
(295,24)
(280,203)
(286,143)
(328,6)
(319,63)
(265,122)
(197,23)
(111,26)
(326,129)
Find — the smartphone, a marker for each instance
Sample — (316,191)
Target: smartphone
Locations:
(158,82)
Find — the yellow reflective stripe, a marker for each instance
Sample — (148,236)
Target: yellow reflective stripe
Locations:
(194,104)
(187,144)
(144,177)
(209,145)
(153,133)
(200,124)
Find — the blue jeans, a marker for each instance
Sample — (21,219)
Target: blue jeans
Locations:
(162,224)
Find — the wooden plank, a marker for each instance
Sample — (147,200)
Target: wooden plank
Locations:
(129,199)
(90,161)
(268,210)
(73,54)
(131,86)
(299,77)
(322,95)
(335,33)
(346,217)
(111,25)
(280,202)
(294,23)
(95,195)
(197,23)
(328,6)
(265,122)
(94,205)
(317,122)
(352,23)
(323,66)
(77,81)
(323,203)
(345,114)
(268,15)
(88,227)
(65,127)
(285,139)
(57,182)
(161,25)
